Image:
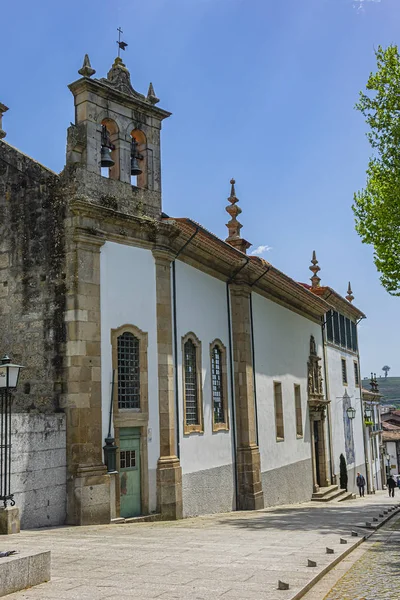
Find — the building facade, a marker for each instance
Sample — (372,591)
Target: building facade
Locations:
(167,371)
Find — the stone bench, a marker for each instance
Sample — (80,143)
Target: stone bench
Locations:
(23,570)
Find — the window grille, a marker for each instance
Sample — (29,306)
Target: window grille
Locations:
(127,459)
(280,433)
(329,326)
(349,343)
(356,376)
(336,331)
(128,371)
(342,330)
(191,392)
(354,336)
(217,386)
(344,371)
(299,417)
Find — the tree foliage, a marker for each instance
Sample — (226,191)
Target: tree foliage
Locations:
(377,206)
(386,370)
(343,477)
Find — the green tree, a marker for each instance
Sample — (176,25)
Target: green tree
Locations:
(377,206)
(386,369)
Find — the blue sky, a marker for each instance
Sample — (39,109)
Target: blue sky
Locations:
(260,90)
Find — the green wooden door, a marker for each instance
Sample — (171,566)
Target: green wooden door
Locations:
(129,472)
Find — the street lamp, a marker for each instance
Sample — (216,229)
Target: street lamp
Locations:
(351,412)
(9,374)
(368,413)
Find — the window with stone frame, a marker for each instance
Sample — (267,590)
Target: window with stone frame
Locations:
(129,363)
(219,386)
(128,352)
(299,416)
(192,384)
(280,432)
(344,372)
(356,374)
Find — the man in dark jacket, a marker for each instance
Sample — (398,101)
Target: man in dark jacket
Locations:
(360,484)
(391,485)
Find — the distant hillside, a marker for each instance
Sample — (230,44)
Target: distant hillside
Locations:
(389,387)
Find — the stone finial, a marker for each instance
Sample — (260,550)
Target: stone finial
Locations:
(151,96)
(86,70)
(315,280)
(349,296)
(3,109)
(233,225)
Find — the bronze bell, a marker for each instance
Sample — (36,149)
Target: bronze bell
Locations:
(135,168)
(106,160)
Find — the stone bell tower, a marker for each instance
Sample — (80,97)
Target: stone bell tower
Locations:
(114,144)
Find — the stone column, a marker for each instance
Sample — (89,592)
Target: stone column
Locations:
(250,494)
(324,455)
(88,485)
(169,472)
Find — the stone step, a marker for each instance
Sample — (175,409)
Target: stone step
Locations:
(346,496)
(329,497)
(142,519)
(324,491)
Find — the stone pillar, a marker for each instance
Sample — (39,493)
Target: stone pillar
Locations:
(88,485)
(169,472)
(250,494)
(9,520)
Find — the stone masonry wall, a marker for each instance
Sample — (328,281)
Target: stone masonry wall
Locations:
(32,278)
(38,468)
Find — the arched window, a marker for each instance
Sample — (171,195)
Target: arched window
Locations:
(128,356)
(139,154)
(192,388)
(110,148)
(219,387)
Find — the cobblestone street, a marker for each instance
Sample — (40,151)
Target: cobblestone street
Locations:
(376,575)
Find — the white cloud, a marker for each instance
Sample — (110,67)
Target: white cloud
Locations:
(261,250)
(360,4)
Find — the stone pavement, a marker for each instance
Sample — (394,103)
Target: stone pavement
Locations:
(231,556)
(376,574)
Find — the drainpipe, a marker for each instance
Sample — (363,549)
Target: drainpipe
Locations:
(328,411)
(253,354)
(231,373)
(175,328)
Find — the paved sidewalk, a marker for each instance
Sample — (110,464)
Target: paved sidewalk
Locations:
(376,574)
(231,556)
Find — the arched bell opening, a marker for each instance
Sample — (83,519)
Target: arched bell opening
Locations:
(110,149)
(139,159)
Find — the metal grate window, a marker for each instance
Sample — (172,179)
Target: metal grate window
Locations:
(127,459)
(217,387)
(191,392)
(344,371)
(128,371)
(356,376)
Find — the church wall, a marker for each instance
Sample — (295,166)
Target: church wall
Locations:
(128,297)
(282,347)
(347,435)
(206,458)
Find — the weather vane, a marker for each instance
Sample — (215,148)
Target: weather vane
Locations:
(121,45)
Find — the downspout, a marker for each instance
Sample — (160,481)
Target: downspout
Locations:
(175,330)
(327,393)
(365,441)
(253,354)
(232,383)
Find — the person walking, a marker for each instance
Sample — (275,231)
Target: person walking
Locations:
(398,481)
(361,484)
(391,485)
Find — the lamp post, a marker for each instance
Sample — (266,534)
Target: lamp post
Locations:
(9,516)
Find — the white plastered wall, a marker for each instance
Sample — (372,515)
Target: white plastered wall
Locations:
(336,392)
(282,348)
(202,309)
(128,297)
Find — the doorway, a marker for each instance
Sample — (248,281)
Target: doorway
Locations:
(317,453)
(129,472)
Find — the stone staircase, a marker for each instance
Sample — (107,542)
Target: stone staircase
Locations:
(331,493)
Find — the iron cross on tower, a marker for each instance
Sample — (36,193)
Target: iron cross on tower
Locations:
(121,45)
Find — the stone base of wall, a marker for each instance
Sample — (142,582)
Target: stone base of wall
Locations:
(290,484)
(38,468)
(207,492)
